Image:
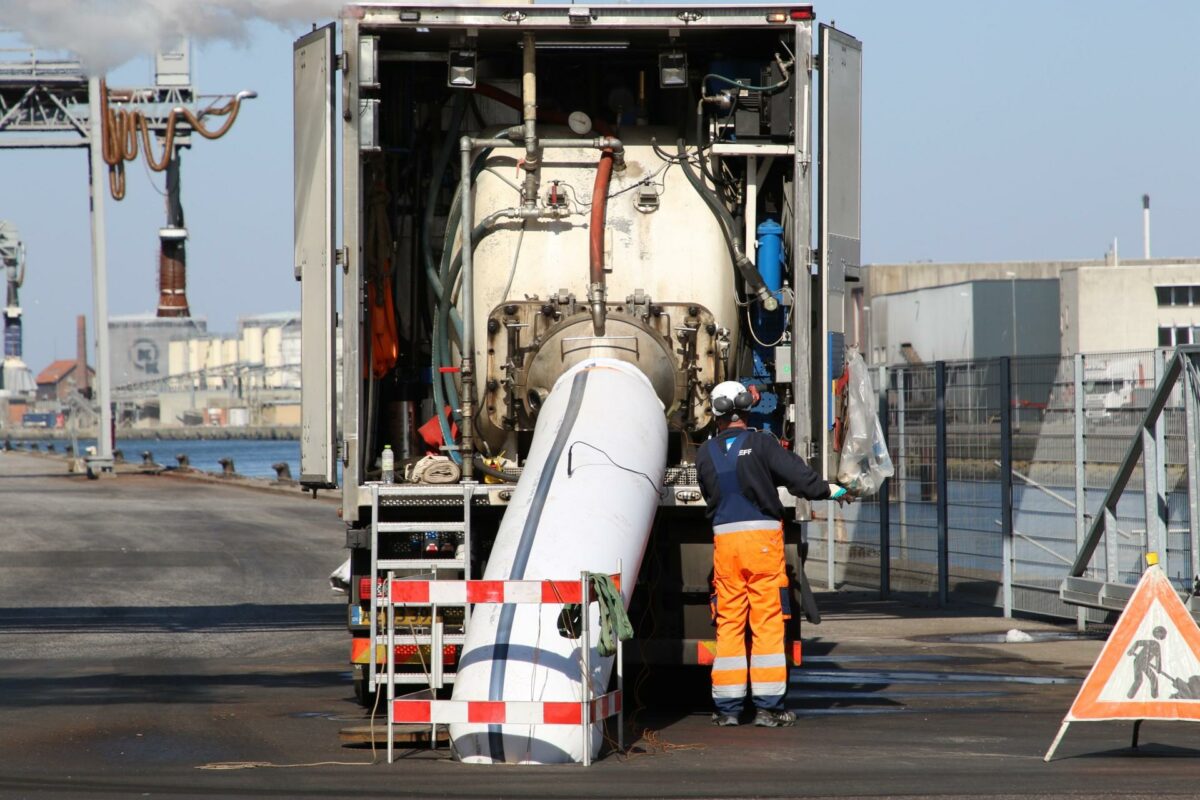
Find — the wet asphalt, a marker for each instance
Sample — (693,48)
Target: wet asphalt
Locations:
(173,638)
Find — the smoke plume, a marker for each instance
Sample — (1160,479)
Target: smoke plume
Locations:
(106,33)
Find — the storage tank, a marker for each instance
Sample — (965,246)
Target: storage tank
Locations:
(670,283)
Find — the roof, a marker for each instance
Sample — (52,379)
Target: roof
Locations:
(269,319)
(56,371)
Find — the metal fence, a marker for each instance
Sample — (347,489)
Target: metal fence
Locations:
(991,457)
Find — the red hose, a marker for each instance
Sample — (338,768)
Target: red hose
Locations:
(599,207)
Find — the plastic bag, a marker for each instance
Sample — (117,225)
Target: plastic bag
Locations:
(865,462)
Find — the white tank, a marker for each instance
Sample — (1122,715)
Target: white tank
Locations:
(673,251)
(603,419)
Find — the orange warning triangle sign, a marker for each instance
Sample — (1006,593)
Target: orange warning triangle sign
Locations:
(1150,665)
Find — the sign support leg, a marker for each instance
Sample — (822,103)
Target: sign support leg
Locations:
(1054,745)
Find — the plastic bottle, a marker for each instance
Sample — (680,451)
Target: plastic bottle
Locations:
(388,464)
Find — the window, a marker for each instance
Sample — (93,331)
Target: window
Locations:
(1164,337)
(1183,336)
(1177,295)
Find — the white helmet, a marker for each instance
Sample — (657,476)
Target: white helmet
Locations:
(730,397)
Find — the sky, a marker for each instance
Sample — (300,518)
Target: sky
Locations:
(992,132)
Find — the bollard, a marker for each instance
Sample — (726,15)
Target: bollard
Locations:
(282,471)
(184,461)
(227,467)
(118,456)
(148,459)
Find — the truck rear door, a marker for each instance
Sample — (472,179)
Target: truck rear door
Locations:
(314,72)
(839,229)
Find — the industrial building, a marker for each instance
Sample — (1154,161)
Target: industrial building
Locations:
(174,371)
(923,312)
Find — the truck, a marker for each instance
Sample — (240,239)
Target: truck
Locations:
(1109,383)
(493,200)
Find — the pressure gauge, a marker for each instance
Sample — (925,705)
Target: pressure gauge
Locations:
(579,122)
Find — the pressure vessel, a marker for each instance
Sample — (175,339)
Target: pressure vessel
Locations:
(586,500)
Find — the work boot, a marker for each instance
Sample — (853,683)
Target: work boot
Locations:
(765,718)
(724,720)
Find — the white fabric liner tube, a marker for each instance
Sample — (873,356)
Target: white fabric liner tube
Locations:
(603,419)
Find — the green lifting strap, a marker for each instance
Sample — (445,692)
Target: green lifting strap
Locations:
(614,622)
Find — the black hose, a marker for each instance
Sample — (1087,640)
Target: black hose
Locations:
(734,238)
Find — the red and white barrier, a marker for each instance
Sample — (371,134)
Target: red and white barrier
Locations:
(483,712)
(584,712)
(428,592)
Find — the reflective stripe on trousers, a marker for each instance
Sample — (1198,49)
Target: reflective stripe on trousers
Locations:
(748,572)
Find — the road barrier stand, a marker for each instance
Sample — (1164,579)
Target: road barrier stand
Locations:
(590,709)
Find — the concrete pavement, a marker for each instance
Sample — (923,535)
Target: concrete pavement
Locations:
(151,627)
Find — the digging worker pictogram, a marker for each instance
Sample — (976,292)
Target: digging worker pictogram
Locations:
(740,469)
(1147,662)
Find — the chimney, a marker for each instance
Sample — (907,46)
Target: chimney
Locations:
(81,369)
(172,255)
(1146,227)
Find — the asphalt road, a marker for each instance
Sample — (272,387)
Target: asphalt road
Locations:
(160,637)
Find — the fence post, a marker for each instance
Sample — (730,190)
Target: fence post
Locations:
(885,516)
(830,566)
(900,458)
(1080,474)
(943,510)
(1192,431)
(1160,436)
(1006,484)
(1153,459)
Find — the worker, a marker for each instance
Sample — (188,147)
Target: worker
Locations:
(739,469)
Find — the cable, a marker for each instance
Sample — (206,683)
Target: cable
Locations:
(512,271)
(571,469)
(787,318)
(496,172)
(774,87)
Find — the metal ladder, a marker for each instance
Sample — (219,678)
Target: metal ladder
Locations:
(434,674)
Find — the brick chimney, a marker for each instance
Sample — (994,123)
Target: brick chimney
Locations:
(82,383)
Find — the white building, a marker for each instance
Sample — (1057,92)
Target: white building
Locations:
(953,311)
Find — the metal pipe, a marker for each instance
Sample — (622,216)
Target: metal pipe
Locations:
(529,116)
(468,298)
(104,436)
(1080,505)
(596,143)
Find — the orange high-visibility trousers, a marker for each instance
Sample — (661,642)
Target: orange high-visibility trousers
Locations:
(748,572)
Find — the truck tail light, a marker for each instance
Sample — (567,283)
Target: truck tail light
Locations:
(801,14)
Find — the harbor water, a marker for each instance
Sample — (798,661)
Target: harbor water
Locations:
(251,457)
